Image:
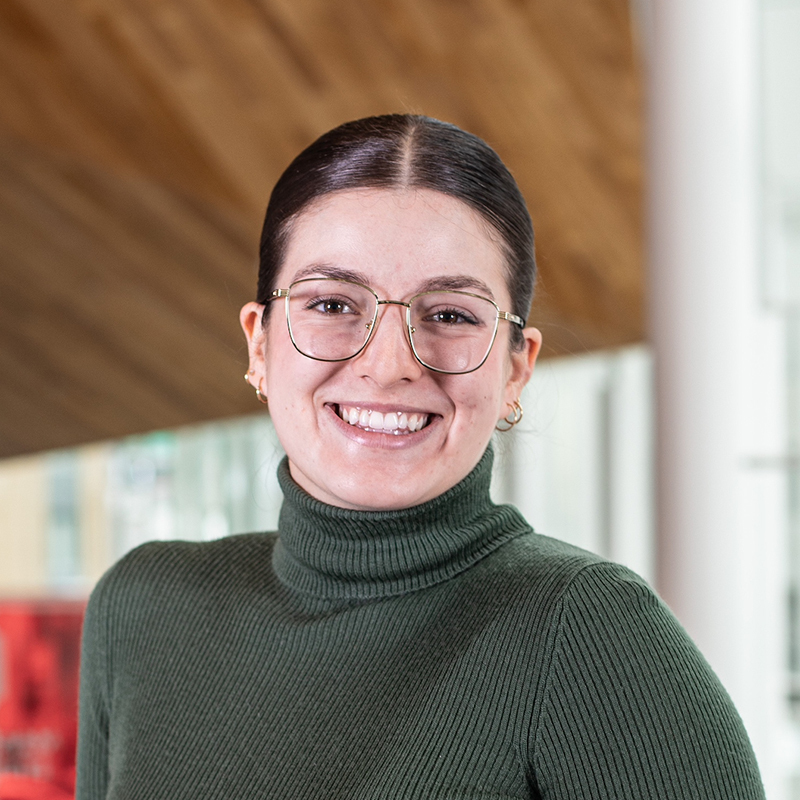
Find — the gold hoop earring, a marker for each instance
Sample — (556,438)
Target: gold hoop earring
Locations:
(510,419)
(262,398)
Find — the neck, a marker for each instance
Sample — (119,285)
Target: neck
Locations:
(335,553)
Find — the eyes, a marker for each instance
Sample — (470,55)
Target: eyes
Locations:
(424,309)
(450,316)
(332,306)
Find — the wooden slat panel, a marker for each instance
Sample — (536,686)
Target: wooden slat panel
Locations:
(122,305)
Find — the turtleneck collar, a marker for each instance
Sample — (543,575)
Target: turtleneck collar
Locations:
(339,554)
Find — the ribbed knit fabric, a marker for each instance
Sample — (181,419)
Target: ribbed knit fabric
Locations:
(445,651)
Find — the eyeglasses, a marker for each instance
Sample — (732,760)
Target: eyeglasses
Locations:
(449,331)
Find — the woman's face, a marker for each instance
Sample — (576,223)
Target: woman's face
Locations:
(398,242)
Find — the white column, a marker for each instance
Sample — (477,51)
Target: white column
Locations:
(717,414)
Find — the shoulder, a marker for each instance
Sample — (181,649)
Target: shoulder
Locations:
(156,562)
(615,637)
(621,662)
(587,594)
(532,585)
(535,564)
(572,596)
(594,613)
(157,575)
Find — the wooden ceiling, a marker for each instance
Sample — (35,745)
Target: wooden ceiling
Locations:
(139,140)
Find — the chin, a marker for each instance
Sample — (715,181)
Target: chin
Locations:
(367,488)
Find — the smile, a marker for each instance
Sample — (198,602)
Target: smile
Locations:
(394,422)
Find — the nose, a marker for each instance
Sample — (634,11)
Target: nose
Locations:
(388,358)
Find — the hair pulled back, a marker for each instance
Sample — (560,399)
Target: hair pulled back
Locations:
(404,151)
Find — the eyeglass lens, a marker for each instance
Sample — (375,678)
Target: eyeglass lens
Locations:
(330,320)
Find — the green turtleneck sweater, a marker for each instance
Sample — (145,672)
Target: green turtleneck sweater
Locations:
(443,651)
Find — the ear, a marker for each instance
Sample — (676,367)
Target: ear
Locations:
(250,318)
(522,364)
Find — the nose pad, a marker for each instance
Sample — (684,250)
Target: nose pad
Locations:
(388,356)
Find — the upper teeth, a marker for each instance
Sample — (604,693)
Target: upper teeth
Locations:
(392,422)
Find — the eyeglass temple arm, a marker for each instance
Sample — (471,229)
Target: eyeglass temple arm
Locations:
(507,315)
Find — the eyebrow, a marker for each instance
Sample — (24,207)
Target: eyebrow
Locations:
(455,282)
(439,283)
(330,271)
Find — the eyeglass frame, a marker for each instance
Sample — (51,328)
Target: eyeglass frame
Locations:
(278,294)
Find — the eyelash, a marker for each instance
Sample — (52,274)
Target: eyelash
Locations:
(323,301)
(461,316)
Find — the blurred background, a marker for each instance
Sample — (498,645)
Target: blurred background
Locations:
(656,142)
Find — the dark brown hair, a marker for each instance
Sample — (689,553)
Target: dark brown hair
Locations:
(399,151)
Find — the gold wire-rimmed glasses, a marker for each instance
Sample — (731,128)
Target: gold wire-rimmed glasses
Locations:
(450,331)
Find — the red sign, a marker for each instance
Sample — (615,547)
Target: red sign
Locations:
(39,659)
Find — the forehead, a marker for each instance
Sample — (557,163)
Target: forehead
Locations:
(397,239)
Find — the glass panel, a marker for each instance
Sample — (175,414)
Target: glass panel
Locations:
(195,483)
(63,534)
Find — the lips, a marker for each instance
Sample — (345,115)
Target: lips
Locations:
(396,423)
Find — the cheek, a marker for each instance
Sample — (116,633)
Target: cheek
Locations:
(295,380)
(477,397)
(278,348)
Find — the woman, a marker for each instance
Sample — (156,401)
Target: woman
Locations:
(400,636)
